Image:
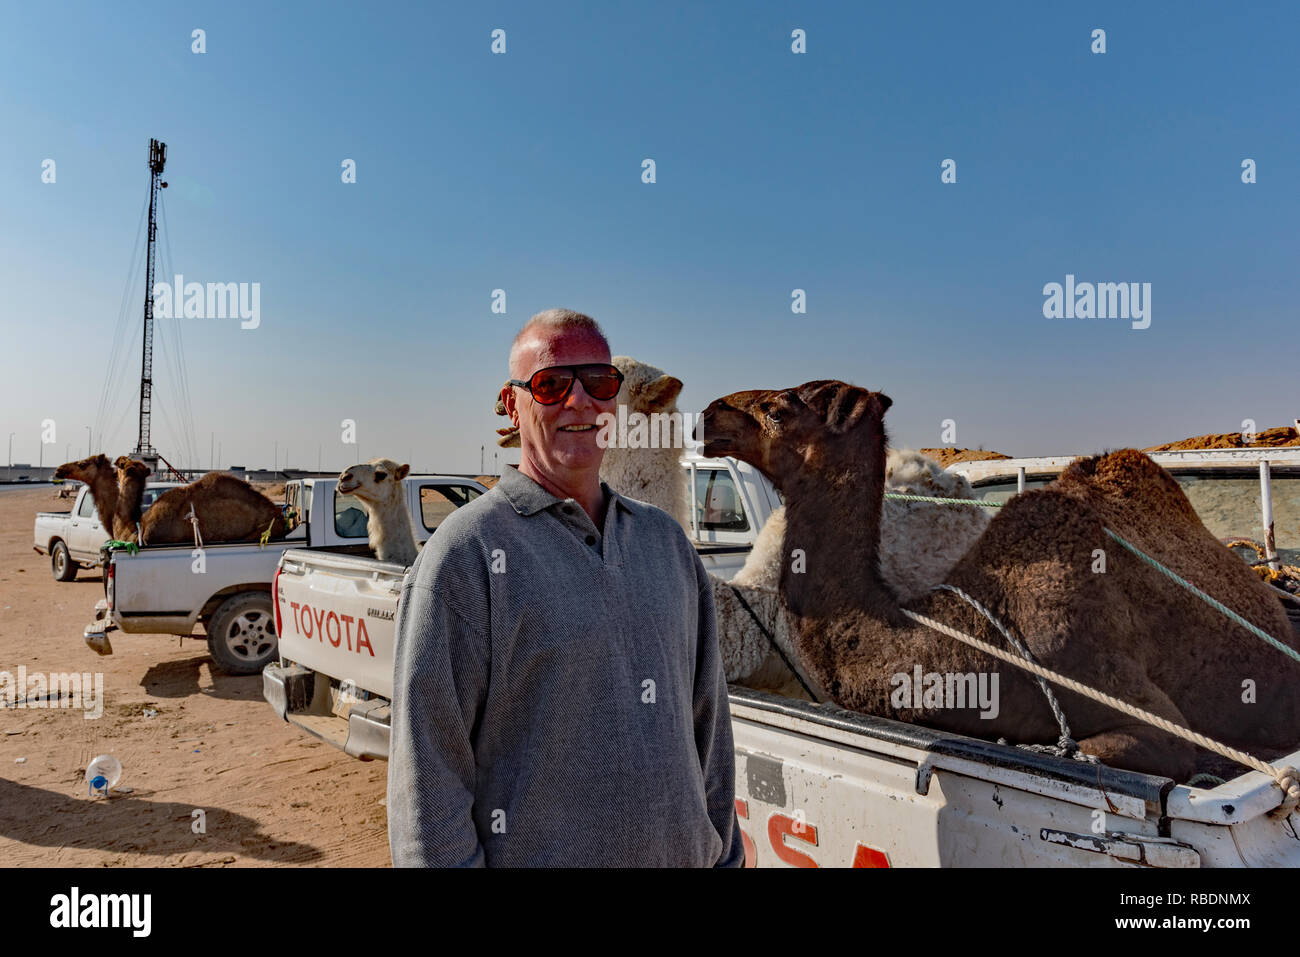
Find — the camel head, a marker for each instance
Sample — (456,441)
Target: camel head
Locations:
(85,470)
(378,481)
(128,468)
(820,427)
(645,389)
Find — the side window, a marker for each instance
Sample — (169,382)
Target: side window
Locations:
(149,496)
(439,501)
(87,509)
(349,517)
(717,503)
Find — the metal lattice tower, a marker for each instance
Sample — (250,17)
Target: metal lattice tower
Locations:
(143,448)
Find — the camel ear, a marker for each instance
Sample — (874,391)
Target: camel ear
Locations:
(663,392)
(402,472)
(843,407)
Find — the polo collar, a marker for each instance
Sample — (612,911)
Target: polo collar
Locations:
(529,498)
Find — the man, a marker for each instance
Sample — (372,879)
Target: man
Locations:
(558,697)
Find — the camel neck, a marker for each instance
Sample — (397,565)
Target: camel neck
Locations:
(835,520)
(103,490)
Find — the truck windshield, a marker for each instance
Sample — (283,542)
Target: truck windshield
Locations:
(717,505)
(349,517)
(1231,508)
(439,501)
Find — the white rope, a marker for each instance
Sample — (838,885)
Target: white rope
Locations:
(194,520)
(1287,778)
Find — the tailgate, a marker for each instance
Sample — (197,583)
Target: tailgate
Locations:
(336,616)
(818,786)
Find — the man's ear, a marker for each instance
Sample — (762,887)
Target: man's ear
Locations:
(402,472)
(506,401)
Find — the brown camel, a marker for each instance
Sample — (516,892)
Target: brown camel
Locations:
(100,476)
(131,477)
(228,510)
(1121,627)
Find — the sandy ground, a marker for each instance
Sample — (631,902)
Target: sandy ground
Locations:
(270,793)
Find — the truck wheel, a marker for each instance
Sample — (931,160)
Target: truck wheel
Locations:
(241,633)
(65,569)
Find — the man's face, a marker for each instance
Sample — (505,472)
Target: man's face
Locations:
(547,432)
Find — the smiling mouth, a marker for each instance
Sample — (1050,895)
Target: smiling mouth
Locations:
(577,428)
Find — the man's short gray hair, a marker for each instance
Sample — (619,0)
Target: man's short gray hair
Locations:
(557,320)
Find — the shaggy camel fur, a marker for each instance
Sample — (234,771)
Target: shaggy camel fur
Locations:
(1127,630)
(377,485)
(131,478)
(228,510)
(101,478)
(919,541)
(650,475)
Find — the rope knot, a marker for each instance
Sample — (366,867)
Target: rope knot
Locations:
(1288,779)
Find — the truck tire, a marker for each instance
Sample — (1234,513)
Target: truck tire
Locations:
(61,563)
(241,633)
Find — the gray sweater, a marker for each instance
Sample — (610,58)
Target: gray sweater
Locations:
(558,697)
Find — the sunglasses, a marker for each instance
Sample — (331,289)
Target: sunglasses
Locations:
(549,386)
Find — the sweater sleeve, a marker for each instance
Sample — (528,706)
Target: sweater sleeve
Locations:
(440,673)
(713,741)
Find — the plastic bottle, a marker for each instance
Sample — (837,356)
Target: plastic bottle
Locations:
(103,773)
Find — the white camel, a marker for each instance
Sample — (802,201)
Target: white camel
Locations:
(377,484)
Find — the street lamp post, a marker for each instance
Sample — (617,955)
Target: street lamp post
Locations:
(9,472)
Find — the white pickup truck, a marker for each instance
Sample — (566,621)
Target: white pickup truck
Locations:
(73,539)
(335,610)
(816,785)
(169,589)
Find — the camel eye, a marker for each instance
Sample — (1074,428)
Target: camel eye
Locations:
(380,476)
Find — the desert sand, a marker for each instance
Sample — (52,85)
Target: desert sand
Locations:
(270,793)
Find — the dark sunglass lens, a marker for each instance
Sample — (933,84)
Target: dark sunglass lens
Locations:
(601,383)
(550,385)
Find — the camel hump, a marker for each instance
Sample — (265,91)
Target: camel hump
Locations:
(1128,480)
(1039,530)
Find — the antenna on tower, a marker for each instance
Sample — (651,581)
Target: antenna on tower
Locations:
(144,450)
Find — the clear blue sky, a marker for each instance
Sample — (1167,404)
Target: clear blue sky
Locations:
(775,171)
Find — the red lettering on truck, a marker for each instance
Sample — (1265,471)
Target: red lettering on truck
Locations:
(751,853)
(363,638)
(778,826)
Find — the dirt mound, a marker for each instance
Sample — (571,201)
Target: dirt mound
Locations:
(272,490)
(947,456)
(1280,437)
(486,480)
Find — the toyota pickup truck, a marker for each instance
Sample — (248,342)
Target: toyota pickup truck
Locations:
(73,539)
(335,609)
(816,785)
(226,588)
